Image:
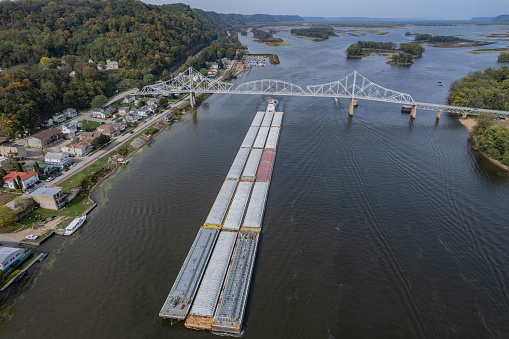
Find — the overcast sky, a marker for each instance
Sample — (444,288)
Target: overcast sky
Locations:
(436,9)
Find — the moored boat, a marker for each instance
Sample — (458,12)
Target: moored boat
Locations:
(74,225)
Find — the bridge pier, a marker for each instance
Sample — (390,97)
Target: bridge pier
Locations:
(350,110)
(464,116)
(192,99)
(414,110)
(439,114)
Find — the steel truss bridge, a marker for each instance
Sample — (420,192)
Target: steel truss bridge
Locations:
(351,86)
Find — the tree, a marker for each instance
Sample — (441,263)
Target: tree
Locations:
(20,183)
(86,127)
(484,122)
(220,63)
(100,141)
(15,183)
(165,76)
(3,172)
(503,57)
(18,167)
(90,72)
(354,50)
(99,101)
(149,79)
(7,215)
(204,72)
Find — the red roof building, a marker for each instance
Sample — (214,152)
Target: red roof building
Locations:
(27,178)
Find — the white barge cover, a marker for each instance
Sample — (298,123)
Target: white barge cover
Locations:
(256,207)
(218,211)
(273,138)
(238,164)
(267,119)
(236,212)
(250,137)
(258,119)
(252,164)
(261,137)
(182,293)
(278,118)
(231,306)
(210,287)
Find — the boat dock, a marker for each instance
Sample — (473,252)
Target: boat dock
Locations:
(212,287)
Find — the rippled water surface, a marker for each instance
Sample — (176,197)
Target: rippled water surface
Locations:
(375,226)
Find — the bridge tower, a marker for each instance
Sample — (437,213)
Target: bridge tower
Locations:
(352,99)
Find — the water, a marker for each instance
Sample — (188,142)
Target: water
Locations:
(375,226)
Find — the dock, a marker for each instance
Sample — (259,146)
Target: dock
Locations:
(212,287)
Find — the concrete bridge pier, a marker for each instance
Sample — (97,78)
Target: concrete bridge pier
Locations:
(192,99)
(464,116)
(414,110)
(439,114)
(350,110)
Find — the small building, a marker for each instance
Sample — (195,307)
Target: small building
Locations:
(29,166)
(110,130)
(58,117)
(153,102)
(28,179)
(45,138)
(2,160)
(90,61)
(211,72)
(50,198)
(11,256)
(110,110)
(72,74)
(89,135)
(168,118)
(59,160)
(12,150)
(47,122)
(70,112)
(111,64)
(80,148)
(132,116)
(100,113)
(69,129)
(123,110)
(128,99)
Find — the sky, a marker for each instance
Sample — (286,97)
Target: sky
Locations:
(428,9)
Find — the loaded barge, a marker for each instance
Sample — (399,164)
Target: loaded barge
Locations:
(212,287)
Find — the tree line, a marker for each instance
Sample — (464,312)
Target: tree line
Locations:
(45,48)
(322,33)
(436,38)
(363,47)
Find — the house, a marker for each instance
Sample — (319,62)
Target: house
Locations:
(121,126)
(153,102)
(28,179)
(69,129)
(110,130)
(100,113)
(90,61)
(29,166)
(12,256)
(128,99)
(80,148)
(72,74)
(111,64)
(60,160)
(168,118)
(138,99)
(50,198)
(123,110)
(12,150)
(89,135)
(215,67)
(58,117)
(110,109)
(47,122)
(70,112)
(2,160)
(132,116)
(211,72)
(144,111)
(46,137)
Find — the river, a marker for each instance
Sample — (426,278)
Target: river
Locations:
(376,226)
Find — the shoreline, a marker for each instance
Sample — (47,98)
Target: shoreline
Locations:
(470,123)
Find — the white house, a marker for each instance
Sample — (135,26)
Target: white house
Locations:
(123,110)
(72,74)
(128,99)
(100,113)
(80,148)
(132,116)
(144,111)
(70,112)
(10,256)
(69,129)
(28,179)
(110,130)
(153,102)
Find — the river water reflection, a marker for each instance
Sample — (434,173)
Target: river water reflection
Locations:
(375,226)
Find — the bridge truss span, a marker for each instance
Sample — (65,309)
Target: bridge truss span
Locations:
(351,86)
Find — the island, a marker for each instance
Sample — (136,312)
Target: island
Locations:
(401,54)
(447,41)
(317,34)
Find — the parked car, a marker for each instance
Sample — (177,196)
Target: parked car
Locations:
(32,237)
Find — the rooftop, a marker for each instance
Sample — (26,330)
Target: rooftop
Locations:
(52,155)
(47,191)
(47,133)
(6,251)
(23,175)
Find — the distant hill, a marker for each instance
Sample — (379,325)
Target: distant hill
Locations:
(362,19)
(482,18)
(231,19)
(501,18)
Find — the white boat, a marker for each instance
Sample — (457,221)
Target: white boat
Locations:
(271,107)
(74,225)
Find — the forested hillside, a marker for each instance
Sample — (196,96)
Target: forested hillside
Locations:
(43,42)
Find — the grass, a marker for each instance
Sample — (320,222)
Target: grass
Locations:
(16,272)
(6,197)
(73,181)
(305,37)
(93,124)
(75,208)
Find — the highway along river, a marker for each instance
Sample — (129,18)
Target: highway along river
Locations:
(375,226)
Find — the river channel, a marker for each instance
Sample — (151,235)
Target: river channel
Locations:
(376,226)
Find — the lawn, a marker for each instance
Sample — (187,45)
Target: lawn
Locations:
(73,181)
(6,196)
(93,124)
(72,210)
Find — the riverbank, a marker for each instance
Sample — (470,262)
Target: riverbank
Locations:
(470,123)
